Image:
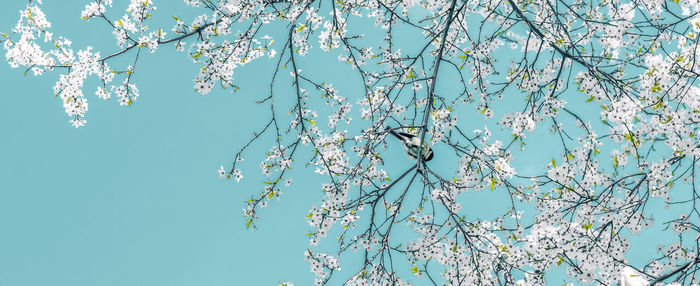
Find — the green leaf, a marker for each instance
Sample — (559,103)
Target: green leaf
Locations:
(410,74)
(587,226)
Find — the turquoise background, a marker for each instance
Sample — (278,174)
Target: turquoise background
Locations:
(133,198)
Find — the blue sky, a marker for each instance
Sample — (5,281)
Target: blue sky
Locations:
(133,198)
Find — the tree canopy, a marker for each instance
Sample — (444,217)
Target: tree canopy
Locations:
(605,89)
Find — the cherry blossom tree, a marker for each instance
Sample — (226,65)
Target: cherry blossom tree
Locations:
(612,81)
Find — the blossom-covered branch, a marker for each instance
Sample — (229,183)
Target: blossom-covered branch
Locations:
(614,83)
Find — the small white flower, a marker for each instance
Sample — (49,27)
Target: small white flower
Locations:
(630,277)
(222,172)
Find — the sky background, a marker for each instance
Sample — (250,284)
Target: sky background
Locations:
(133,198)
